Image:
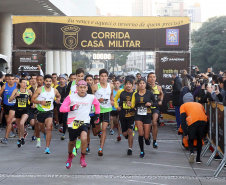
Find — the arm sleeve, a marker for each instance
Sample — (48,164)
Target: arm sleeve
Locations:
(41,72)
(133,101)
(96,105)
(65,105)
(117,96)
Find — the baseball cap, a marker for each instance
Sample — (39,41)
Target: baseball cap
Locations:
(63,76)
(81,82)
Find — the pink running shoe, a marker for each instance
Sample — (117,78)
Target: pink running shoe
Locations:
(69,161)
(83,162)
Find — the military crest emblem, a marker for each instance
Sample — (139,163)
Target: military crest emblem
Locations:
(70,36)
(172,37)
(29,36)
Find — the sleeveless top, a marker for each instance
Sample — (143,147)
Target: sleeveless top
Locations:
(22,100)
(7,93)
(104,93)
(48,97)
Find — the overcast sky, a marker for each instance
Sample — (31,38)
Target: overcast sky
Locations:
(209,8)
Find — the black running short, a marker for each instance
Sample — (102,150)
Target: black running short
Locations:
(74,133)
(42,116)
(31,113)
(146,119)
(126,123)
(7,108)
(197,130)
(105,117)
(19,113)
(155,111)
(92,122)
(114,113)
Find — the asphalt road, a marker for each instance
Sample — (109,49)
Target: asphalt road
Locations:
(167,165)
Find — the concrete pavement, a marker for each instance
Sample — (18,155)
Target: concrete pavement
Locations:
(167,165)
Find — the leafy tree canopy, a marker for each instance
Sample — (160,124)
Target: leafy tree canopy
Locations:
(209,45)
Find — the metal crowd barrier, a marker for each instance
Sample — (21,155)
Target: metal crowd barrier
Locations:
(217,133)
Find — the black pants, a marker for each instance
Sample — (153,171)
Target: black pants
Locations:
(196,131)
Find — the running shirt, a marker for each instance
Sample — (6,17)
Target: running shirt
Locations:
(139,102)
(114,94)
(156,93)
(194,112)
(22,100)
(7,93)
(104,93)
(124,96)
(81,115)
(48,97)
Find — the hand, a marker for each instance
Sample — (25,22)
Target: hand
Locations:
(112,102)
(185,72)
(57,101)
(33,106)
(209,89)
(129,103)
(148,104)
(196,68)
(43,103)
(119,108)
(39,67)
(160,103)
(74,107)
(101,100)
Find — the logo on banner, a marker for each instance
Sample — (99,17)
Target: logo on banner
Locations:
(34,56)
(164,59)
(29,36)
(70,37)
(172,37)
(28,68)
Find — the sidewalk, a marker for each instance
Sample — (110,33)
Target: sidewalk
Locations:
(167,165)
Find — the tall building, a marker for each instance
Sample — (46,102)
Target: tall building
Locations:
(142,8)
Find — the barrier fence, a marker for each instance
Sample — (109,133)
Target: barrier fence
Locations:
(216,134)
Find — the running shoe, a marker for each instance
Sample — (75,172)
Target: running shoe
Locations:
(147,141)
(33,138)
(142,154)
(83,162)
(155,145)
(69,161)
(19,143)
(4,141)
(22,141)
(119,138)
(191,158)
(62,137)
(198,161)
(56,126)
(112,132)
(99,134)
(74,151)
(12,135)
(38,145)
(61,130)
(25,134)
(78,144)
(88,151)
(47,150)
(100,152)
(129,152)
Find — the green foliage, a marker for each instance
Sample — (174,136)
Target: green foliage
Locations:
(209,45)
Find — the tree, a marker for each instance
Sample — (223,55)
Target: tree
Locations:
(209,45)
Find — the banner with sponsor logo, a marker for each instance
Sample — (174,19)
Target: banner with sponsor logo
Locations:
(28,61)
(166,63)
(100,33)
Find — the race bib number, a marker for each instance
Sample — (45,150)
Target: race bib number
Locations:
(47,106)
(22,104)
(104,102)
(76,124)
(13,101)
(142,111)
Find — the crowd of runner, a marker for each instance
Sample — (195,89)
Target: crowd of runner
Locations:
(82,103)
